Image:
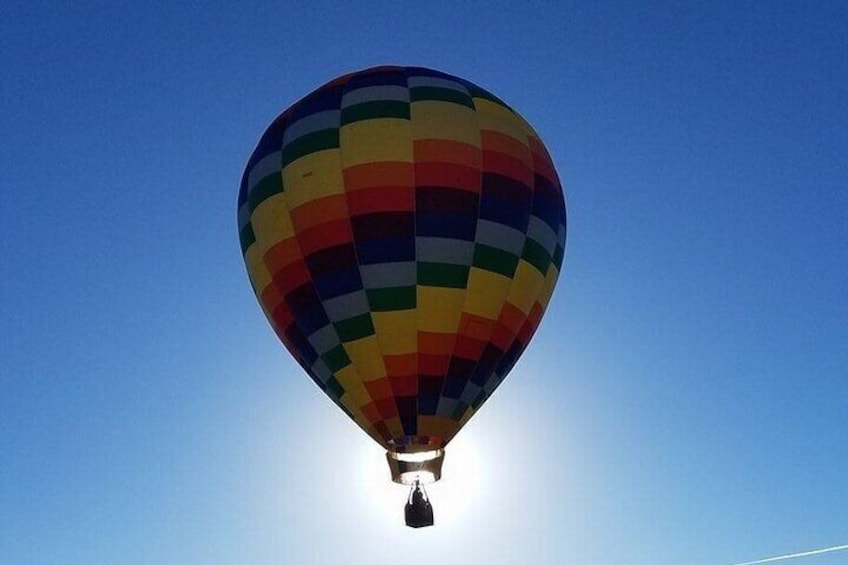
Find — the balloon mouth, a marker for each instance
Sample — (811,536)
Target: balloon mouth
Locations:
(421,466)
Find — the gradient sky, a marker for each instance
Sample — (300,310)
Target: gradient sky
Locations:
(685,400)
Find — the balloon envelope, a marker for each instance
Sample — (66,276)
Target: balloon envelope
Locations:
(403,230)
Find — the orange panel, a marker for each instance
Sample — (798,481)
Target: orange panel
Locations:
(511,317)
(502,143)
(325,235)
(446,151)
(319,211)
(406,385)
(469,348)
(381,199)
(436,343)
(433,364)
(401,365)
(379,388)
(448,174)
(507,165)
(386,173)
(282,254)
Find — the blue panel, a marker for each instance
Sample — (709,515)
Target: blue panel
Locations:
(301,345)
(454,226)
(338,283)
(506,201)
(394,77)
(386,250)
(318,101)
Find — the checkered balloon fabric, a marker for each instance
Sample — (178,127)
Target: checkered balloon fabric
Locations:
(403,230)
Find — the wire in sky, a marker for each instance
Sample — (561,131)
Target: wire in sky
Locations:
(794,555)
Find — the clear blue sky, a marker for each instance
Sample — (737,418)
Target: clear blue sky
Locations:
(685,400)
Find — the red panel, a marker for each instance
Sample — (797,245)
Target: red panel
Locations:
(379,389)
(292,277)
(448,174)
(381,199)
(436,343)
(542,163)
(469,348)
(282,316)
(387,408)
(320,211)
(406,385)
(371,412)
(401,365)
(282,254)
(433,364)
(477,327)
(502,337)
(508,166)
(271,297)
(511,317)
(326,235)
(446,151)
(386,173)
(383,431)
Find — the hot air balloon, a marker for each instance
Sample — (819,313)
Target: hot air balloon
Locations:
(403,230)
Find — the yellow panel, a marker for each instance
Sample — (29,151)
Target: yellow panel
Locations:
(259,274)
(366,356)
(313,176)
(361,420)
(432,119)
(466,416)
(525,125)
(439,309)
(379,139)
(495,117)
(352,383)
(548,287)
(526,286)
(395,427)
(436,426)
(486,293)
(271,221)
(397,332)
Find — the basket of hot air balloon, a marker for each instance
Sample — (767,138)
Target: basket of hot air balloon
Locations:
(403,230)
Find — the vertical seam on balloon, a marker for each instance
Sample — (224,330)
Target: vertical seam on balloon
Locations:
(479,132)
(354,409)
(285,201)
(511,281)
(563,223)
(417,313)
(344,89)
(471,264)
(535,298)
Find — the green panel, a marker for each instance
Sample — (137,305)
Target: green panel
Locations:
(477,92)
(459,411)
(536,255)
(335,390)
(246,237)
(264,189)
(443,274)
(559,252)
(443,94)
(375,109)
(479,400)
(495,260)
(310,143)
(390,299)
(336,358)
(355,328)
